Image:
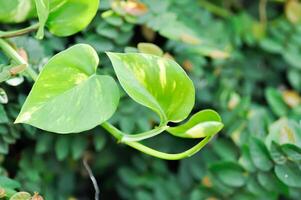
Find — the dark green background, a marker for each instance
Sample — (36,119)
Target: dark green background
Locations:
(245,67)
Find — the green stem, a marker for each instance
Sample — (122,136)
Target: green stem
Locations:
(123,137)
(147,150)
(14,33)
(144,135)
(11,52)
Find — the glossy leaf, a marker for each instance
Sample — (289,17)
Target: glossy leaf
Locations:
(16,11)
(70,16)
(203,123)
(155,82)
(68,96)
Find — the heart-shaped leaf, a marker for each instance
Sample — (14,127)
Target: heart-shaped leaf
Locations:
(67,17)
(15,11)
(68,96)
(155,82)
(202,124)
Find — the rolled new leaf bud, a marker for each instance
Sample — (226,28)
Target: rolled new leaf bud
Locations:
(202,124)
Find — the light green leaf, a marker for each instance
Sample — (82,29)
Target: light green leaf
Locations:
(16,11)
(150,49)
(284,131)
(43,12)
(68,96)
(67,17)
(155,82)
(21,196)
(202,124)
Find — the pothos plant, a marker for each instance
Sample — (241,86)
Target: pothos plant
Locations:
(68,96)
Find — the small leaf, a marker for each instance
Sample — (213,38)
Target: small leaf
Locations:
(68,96)
(290,174)
(3,115)
(150,48)
(9,183)
(260,155)
(42,7)
(292,152)
(245,159)
(277,154)
(293,11)
(78,146)
(21,196)
(62,147)
(291,98)
(276,102)
(3,96)
(155,82)
(203,123)
(226,171)
(70,16)
(284,131)
(271,183)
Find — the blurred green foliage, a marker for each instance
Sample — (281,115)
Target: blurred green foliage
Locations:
(245,60)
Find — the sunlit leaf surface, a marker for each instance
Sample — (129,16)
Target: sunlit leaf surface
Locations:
(68,96)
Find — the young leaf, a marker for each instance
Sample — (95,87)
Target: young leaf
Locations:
(70,16)
(43,12)
(155,82)
(68,96)
(202,124)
